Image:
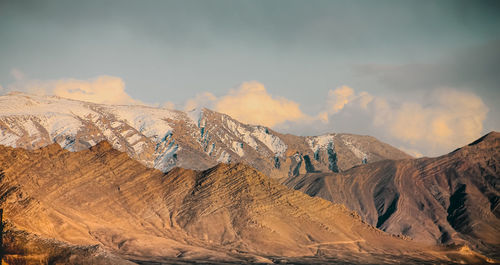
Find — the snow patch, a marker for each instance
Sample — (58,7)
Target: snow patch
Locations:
(149,121)
(30,128)
(274,143)
(357,152)
(196,115)
(8,139)
(237,147)
(167,156)
(320,142)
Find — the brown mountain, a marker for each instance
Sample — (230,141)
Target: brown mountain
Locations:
(99,206)
(448,199)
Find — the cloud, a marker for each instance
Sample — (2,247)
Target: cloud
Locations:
(453,118)
(251,103)
(103,89)
(338,98)
(449,118)
(475,66)
(205,99)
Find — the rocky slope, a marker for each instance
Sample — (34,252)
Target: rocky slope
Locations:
(163,139)
(448,199)
(229,213)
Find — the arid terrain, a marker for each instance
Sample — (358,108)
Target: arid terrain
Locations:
(448,199)
(99,205)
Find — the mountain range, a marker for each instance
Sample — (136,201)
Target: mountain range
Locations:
(163,139)
(87,183)
(102,199)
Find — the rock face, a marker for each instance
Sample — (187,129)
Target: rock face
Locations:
(27,248)
(229,212)
(449,199)
(164,139)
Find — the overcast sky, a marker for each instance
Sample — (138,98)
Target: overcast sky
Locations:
(420,75)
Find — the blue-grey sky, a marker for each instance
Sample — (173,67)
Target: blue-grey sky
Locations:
(170,51)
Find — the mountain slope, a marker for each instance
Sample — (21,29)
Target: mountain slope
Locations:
(452,198)
(163,139)
(227,213)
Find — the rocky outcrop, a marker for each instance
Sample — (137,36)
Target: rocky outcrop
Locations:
(21,247)
(448,199)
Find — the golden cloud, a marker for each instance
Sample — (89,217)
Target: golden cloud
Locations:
(452,119)
(103,89)
(449,119)
(251,103)
(338,98)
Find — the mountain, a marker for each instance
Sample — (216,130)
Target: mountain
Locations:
(453,198)
(163,139)
(100,206)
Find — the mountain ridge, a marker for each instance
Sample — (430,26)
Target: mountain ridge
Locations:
(452,198)
(161,138)
(230,212)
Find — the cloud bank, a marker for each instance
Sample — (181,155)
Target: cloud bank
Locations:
(452,118)
(449,118)
(102,89)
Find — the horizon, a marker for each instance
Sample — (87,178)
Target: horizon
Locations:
(426,84)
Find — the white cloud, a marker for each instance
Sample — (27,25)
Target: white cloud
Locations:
(250,103)
(103,89)
(341,97)
(451,119)
(448,119)
(338,98)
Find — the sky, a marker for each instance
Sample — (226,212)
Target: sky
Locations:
(420,75)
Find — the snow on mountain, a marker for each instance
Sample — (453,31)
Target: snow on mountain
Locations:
(32,121)
(348,141)
(163,138)
(318,142)
(274,143)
